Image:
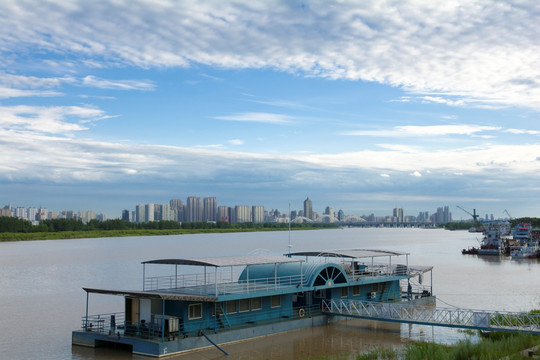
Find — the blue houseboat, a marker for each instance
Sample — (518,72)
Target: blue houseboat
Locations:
(212,301)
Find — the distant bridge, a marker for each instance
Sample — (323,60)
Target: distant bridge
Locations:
(435,316)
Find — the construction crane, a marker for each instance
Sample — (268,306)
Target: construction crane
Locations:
(507,213)
(474,215)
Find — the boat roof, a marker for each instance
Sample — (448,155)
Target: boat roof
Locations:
(223,261)
(352,253)
(163,295)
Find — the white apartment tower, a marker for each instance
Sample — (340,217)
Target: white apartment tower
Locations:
(210,209)
(242,214)
(194,209)
(257,214)
(223,213)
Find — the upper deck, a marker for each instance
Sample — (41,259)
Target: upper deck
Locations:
(263,275)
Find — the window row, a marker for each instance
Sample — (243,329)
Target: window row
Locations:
(234,306)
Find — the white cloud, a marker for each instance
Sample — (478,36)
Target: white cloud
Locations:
(49,120)
(441,100)
(385,175)
(426,130)
(267,118)
(6,93)
(236,142)
(416,174)
(482,53)
(118,84)
(522,131)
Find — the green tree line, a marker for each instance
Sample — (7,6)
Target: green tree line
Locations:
(16,225)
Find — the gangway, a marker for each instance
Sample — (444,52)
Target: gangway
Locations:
(435,316)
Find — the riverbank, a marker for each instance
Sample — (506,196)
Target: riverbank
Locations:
(496,345)
(86,234)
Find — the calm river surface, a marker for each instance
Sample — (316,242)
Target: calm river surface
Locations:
(42,301)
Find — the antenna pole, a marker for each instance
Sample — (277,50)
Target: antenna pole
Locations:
(289,229)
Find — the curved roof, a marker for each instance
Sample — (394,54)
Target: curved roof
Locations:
(353,253)
(223,261)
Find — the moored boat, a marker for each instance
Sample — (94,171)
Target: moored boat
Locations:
(238,298)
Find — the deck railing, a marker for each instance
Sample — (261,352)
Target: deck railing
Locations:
(220,284)
(198,284)
(102,323)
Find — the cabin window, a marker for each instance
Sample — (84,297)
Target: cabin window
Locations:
(344,292)
(231,307)
(356,290)
(256,304)
(276,301)
(320,294)
(244,305)
(195,311)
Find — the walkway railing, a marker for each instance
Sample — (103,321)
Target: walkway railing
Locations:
(436,316)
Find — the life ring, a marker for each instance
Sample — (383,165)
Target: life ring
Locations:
(301,312)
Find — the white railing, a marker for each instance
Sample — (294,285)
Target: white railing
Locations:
(199,284)
(430,315)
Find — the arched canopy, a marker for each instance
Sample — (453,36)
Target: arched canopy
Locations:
(224,261)
(352,254)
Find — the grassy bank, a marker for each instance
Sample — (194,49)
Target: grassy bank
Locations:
(59,235)
(494,346)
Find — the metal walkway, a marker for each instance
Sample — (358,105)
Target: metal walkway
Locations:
(435,316)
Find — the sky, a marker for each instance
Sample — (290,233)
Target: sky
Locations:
(362,106)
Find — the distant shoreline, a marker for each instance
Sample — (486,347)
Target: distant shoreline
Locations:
(89,234)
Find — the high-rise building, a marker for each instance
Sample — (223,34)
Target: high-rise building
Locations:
(308,209)
(148,212)
(86,216)
(257,214)
(443,215)
(210,209)
(294,214)
(341,215)
(242,214)
(31,213)
(139,213)
(398,214)
(166,212)
(329,211)
(194,209)
(177,208)
(20,213)
(223,213)
(125,215)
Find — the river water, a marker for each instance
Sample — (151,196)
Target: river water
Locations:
(42,301)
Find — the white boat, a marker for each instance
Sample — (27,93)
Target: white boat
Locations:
(527,251)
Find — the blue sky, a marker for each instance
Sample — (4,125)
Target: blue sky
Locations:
(363,106)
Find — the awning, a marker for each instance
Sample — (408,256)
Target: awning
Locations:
(353,253)
(152,295)
(227,261)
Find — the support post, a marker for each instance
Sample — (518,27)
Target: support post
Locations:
(275,275)
(176,276)
(86,317)
(247,278)
(215,275)
(143,275)
(163,322)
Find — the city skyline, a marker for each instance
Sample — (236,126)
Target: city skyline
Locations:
(208,209)
(367,105)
